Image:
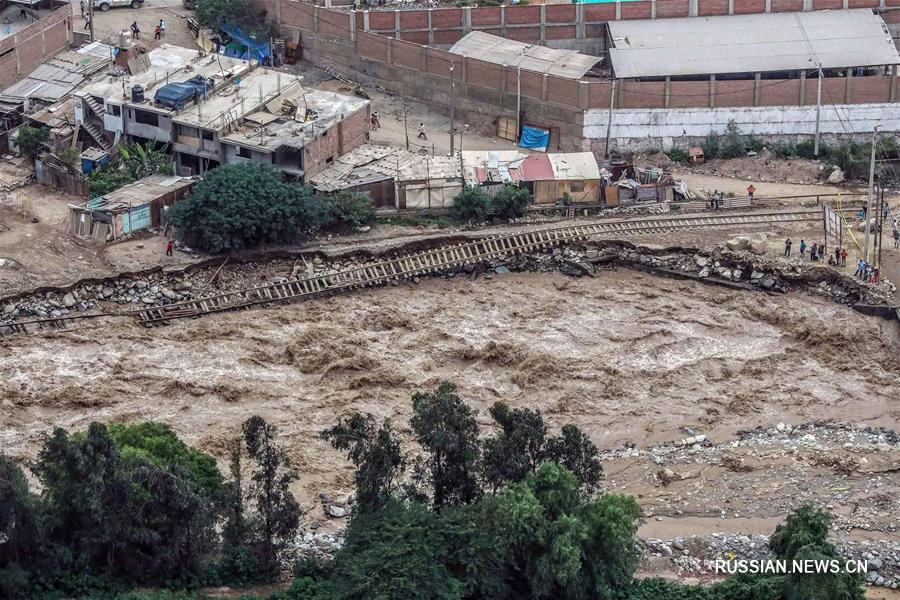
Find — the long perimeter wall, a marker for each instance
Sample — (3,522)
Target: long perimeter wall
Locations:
(397,50)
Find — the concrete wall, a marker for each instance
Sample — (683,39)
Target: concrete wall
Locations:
(230,156)
(162,132)
(21,52)
(642,129)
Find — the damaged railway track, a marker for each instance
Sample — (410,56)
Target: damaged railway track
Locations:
(426,262)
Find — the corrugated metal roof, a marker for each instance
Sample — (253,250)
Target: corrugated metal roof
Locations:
(501,51)
(575,166)
(57,76)
(750,43)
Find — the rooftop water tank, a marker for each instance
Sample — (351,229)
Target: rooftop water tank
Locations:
(137,93)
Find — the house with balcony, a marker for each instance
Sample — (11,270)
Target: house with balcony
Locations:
(213,109)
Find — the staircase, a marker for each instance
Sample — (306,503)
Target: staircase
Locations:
(97,134)
(94,106)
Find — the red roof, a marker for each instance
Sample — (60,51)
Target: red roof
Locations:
(536,167)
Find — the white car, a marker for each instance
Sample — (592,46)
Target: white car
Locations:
(105,5)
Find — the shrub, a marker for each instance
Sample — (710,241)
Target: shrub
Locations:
(678,155)
(734,143)
(351,209)
(710,145)
(30,139)
(511,202)
(471,205)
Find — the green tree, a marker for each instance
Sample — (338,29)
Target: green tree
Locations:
(511,202)
(157,443)
(471,205)
(446,429)
(134,161)
(31,139)
(522,445)
(243,205)
(246,14)
(277,512)
(397,551)
(517,449)
(575,451)
(374,451)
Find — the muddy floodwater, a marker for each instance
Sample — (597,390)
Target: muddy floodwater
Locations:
(630,358)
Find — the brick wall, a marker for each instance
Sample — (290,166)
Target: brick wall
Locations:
(335,141)
(22,52)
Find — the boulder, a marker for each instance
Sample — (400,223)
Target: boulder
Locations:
(738,243)
(836,176)
(336,511)
(69,300)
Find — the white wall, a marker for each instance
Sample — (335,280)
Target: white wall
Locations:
(664,127)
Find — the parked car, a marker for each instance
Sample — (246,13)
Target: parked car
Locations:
(105,5)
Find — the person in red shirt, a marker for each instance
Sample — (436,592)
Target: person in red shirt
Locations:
(169,246)
(750,190)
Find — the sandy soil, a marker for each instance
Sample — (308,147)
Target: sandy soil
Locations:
(630,358)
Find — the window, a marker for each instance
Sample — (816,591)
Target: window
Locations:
(243,152)
(115,110)
(329,160)
(207,136)
(576,186)
(146,118)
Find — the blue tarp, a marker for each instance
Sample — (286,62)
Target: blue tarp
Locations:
(534,138)
(177,95)
(243,46)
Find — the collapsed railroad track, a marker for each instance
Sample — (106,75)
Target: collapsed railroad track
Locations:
(426,262)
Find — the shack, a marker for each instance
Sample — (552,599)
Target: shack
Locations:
(428,182)
(134,207)
(549,177)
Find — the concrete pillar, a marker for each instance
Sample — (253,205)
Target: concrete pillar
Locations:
(425,59)
(278,11)
(464,76)
(768,6)
(668,92)
(848,87)
(652,9)
(503,21)
(579,22)
(583,95)
(712,91)
(543,24)
(846,4)
(692,8)
(390,49)
(467,20)
(396,23)
(365,20)
(807,5)
(430,28)
(316,19)
(544,86)
(731,7)
(618,10)
(893,83)
(352,23)
(620,94)
(802,88)
(756,80)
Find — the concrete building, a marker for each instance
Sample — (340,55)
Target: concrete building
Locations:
(214,110)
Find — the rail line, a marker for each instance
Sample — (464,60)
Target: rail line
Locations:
(425,262)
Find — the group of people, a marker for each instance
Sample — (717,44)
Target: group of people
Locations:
(866,272)
(716,199)
(817,252)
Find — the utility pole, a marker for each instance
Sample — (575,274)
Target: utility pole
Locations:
(405,128)
(518,101)
(90,4)
(868,215)
(818,110)
(612,102)
(452,109)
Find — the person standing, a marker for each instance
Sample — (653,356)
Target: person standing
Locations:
(135,31)
(375,122)
(87,22)
(157,33)
(787,246)
(896,239)
(422,135)
(162,28)
(750,192)
(843,261)
(169,247)
(837,255)
(814,252)
(860,268)
(802,248)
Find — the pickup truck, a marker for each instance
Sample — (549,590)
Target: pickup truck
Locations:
(105,5)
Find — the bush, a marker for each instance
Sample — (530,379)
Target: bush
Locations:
(30,139)
(244,205)
(511,202)
(351,209)
(734,144)
(471,205)
(134,162)
(678,155)
(710,145)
